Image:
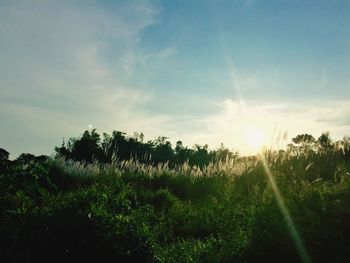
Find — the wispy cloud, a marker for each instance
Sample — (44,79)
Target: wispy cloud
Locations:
(167,52)
(65,65)
(231,122)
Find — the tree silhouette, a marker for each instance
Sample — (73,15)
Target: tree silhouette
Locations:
(303,143)
(87,148)
(324,142)
(224,154)
(4,160)
(201,156)
(119,146)
(304,139)
(163,151)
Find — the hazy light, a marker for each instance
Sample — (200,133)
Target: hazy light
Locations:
(255,138)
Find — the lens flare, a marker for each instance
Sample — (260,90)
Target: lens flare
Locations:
(287,217)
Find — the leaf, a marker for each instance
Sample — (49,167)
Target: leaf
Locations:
(309,166)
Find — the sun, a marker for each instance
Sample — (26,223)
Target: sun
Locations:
(255,138)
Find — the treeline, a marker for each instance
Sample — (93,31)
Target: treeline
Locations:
(90,147)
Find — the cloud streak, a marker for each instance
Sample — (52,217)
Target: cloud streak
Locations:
(64,66)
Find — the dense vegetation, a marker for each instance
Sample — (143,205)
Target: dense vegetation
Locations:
(118,146)
(90,201)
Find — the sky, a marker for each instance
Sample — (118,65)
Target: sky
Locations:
(239,72)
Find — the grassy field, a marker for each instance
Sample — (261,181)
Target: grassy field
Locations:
(290,206)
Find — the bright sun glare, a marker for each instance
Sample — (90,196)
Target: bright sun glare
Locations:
(255,138)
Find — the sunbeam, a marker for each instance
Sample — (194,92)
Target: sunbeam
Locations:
(299,245)
(232,73)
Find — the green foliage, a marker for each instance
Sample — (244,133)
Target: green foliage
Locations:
(89,148)
(226,211)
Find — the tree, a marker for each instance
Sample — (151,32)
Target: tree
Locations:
(303,143)
(304,139)
(324,141)
(4,156)
(200,156)
(163,151)
(119,146)
(182,154)
(25,157)
(87,148)
(223,153)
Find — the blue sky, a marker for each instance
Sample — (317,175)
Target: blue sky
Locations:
(199,71)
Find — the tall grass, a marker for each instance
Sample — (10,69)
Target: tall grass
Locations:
(224,212)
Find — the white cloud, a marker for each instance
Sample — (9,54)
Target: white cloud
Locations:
(67,64)
(231,122)
(167,52)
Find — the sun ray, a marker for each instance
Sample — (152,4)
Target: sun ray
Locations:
(299,245)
